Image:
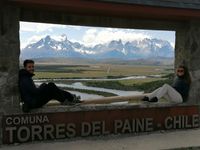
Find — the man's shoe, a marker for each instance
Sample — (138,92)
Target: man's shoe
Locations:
(77,99)
(153,100)
(67,102)
(145,99)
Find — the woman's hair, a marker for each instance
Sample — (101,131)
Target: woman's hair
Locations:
(186,75)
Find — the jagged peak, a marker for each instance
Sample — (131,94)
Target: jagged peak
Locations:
(47,38)
(63,37)
(61,44)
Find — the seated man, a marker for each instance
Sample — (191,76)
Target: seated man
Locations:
(33,97)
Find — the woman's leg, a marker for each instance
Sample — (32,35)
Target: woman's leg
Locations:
(154,93)
(173,95)
(167,92)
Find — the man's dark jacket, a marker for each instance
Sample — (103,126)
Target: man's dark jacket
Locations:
(29,92)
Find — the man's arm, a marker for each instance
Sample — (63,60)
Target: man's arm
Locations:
(29,85)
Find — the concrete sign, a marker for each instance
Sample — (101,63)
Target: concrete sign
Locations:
(59,125)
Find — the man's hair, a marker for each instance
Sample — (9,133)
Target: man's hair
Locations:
(27,61)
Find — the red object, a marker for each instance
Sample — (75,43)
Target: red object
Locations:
(32,127)
(90,7)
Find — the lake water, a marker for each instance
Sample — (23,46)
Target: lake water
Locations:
(79,85)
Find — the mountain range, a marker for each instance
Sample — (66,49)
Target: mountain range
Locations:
(49,47)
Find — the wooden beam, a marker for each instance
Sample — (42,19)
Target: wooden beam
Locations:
(109,9)
(43,16)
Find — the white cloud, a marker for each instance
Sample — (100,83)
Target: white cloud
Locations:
(91,31)
(38,27)
(42,27)
(74,27)
(172,44)
(59,37)
(31,40)
(93,36)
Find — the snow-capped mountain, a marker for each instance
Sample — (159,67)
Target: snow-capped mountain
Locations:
(62,47)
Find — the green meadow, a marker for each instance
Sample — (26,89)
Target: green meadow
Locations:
(107,71)
(99,71)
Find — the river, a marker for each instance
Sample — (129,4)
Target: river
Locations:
(100,79)
(79,85)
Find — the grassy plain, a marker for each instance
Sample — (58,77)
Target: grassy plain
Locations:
(108,71)
(98,71)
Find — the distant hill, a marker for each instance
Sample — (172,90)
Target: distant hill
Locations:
(87,61)
(138,50)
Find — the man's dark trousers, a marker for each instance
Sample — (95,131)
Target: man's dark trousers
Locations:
(51,91)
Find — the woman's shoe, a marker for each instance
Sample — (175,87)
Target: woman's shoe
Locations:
(153,100)
(145,99)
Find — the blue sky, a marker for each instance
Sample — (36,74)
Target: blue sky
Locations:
(31,32)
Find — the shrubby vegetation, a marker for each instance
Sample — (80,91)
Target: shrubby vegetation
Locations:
(109,71)
(143,86)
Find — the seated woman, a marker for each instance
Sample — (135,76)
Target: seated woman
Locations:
(179,90)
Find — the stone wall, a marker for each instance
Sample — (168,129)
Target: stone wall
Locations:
(9,61)
(187,51)
(187,47)
(9,58)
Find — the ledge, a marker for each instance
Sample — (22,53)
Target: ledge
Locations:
(98,119)
(100,107)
